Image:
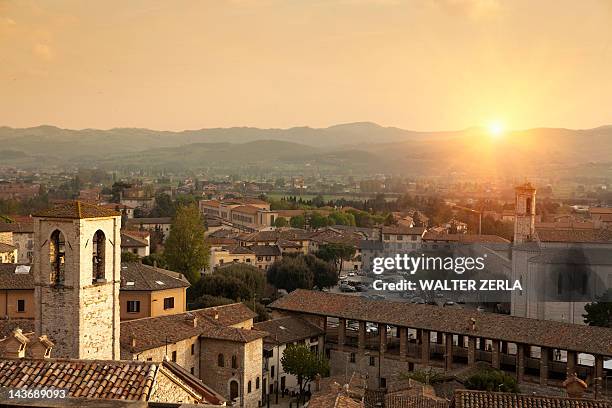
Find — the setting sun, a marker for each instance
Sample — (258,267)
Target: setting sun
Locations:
(496,129)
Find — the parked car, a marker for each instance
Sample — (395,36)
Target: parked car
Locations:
(347,288)
(361,288)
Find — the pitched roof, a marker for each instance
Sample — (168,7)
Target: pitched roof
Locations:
(486,399)
(545,333)
(574,235)
(138,276)
(76,210)
(402,230)
(99,379)
(152,332)
(17,227)
(265,250)
(464,238)
(288,329)
(21,280)
(129,241)
(7,326)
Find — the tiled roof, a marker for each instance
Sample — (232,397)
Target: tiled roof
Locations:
(11,280)
(97,379)
(545,333)
(486,399)
(464,238)
(574,235)
(221,241)
(152,332)
(76,210)
(158,220)
(128,241)
(246,209)
(400,230)
(265,250)
(600,210)
(288,329)
(137,276)
(17,227)
(238,250)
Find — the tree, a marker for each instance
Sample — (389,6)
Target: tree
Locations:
(318,221)
(492,380)
(599,313)
(164,207)
(425,376)
(304,364)
(186,249)
(290,273)
(155,259)
(297,221)
(336,253)
(129,257)
(324,273)
(280,222)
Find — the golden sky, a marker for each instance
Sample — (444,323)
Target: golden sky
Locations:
(421,64)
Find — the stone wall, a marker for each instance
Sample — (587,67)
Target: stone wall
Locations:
(170,389)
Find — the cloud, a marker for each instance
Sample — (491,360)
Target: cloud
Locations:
(43,51)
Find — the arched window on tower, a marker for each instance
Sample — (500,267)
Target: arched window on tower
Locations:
(528,206)
(57,257)
(99,243)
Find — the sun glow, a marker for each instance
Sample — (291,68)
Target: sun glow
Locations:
(496,129)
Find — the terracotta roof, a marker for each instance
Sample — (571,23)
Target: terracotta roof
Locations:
(265,250)
(401,230)
(211,203)
(17,227)
(128,241)
(288,329)
(464,238)
(138,276)
(152,332)
(17,281)
(158,220)
(545,333)
(246,209)
(221,241)
(574,235)
(76,210)
(238,250)
(486,399)
(98,379)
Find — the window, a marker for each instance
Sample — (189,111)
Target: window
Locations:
(193,349)
(150,359)
(57,256)
(257,383)
(383,382)
(372,361)
(414,238)
(174,356)
(353,357)
(168,303)
(234,362)
(400,237)
(133,306)
(221,360)
(272,371)
(99,243)
(21,305)
(249,387)
(192,370)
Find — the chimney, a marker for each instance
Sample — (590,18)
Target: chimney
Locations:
(14,345)
(40,348)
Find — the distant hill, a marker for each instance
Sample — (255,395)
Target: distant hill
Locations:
(353,148)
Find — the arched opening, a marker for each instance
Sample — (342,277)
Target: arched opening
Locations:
(234,362)
(57,257)
(233,390)
(99,244)
(221,360)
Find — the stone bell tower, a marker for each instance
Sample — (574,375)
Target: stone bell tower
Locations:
(524,216)
(77,266)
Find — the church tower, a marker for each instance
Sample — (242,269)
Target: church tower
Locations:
(524,215)
(77,266)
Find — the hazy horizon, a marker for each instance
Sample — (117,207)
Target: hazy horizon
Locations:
(423,65)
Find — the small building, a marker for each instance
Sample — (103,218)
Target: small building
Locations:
(136,242)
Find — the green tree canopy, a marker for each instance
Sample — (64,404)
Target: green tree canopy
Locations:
(304,364)
(492,380)
(599,313)
(336,253)
(301,272)
(281,222)
(129,257)
(186,250)
(298,221)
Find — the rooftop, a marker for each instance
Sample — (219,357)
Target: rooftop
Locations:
(76,210)
(545,333)
(288,329)
(138,276)
(486,399)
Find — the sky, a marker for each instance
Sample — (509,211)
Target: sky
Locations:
(420,64)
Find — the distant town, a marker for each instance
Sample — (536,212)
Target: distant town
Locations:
(244,292)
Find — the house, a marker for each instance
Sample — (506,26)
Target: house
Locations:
(16,292)
(124,209)
(282,333)
(231,254)
(136,242)
(148,291)
(159,225)
(245,213)
(217,345)
(400,239)
(20,235)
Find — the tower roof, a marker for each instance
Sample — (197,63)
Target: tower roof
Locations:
(527,186)
(76,210)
